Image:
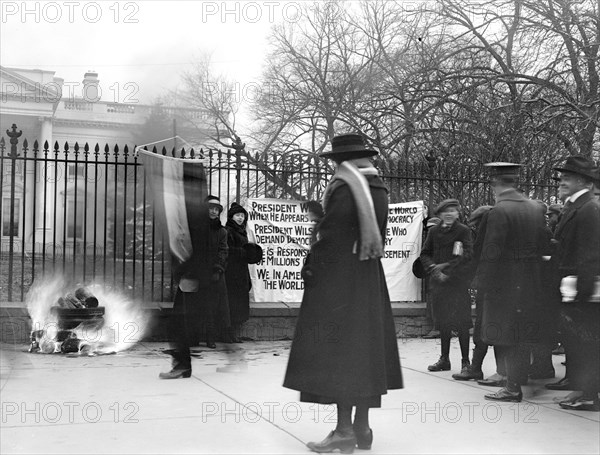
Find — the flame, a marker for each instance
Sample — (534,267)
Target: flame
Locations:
(125,322)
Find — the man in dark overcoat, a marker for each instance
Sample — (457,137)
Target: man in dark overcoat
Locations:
(578,256)
(345,349)
(510,275)
(201,295)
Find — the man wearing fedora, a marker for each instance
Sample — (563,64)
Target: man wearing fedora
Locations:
(578,255)
(510,275)
(345,350)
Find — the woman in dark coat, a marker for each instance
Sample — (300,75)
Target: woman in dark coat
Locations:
(215,307)
(445,255)
(345,349)
(237,274)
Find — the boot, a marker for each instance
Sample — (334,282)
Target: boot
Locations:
(333,441)
(443,364)
(468,372)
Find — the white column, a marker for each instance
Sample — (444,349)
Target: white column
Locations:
(43,183)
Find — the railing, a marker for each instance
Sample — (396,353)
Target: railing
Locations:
(84,212)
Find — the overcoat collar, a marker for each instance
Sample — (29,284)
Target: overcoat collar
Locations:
(569,212)
(510,195)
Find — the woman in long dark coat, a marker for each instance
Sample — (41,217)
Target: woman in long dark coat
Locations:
(214,302)
(445,255)
(237,274)
(345,349)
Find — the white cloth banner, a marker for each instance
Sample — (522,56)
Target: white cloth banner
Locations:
(282,229)
(402,246)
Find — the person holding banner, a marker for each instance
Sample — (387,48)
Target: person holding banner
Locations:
(445,256)
(345,349)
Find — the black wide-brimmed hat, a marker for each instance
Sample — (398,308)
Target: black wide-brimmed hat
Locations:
(579,164)
(254,253)
(348,147)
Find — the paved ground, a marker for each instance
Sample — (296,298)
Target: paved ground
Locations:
(234,403)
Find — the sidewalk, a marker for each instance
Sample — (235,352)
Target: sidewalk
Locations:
(234,403)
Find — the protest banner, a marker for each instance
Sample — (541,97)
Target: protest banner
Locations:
(402,246)
(282,229)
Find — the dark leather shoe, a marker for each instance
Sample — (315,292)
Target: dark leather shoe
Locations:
(582,405)
(364,441)
(176,374)
(443,364)
(493,382)
(467,374)
(334,441)
(563,384)
(432,334)
(211,344)
(505,395)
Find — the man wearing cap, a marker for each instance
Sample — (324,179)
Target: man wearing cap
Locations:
(345,350)
(510,275)
(445,256)
(578,257)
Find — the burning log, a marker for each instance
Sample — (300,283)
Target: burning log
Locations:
(88,299)
(78,311)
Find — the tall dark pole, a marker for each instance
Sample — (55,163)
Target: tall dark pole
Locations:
(239,147)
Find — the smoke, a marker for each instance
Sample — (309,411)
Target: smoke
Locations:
(124,320)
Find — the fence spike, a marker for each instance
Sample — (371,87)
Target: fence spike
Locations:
(106,150)
(116,149)
(182,152)
(154,150)
(36,147)
(164,151)
(192,153)
(126,151)
(86,149)
(56,147)
(76,148)
(2,145)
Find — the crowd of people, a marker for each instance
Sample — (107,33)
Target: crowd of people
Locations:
(532,269)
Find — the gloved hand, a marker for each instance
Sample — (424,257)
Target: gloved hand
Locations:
(439,276)
(439,267)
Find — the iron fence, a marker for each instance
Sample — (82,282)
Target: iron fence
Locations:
(84,212)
